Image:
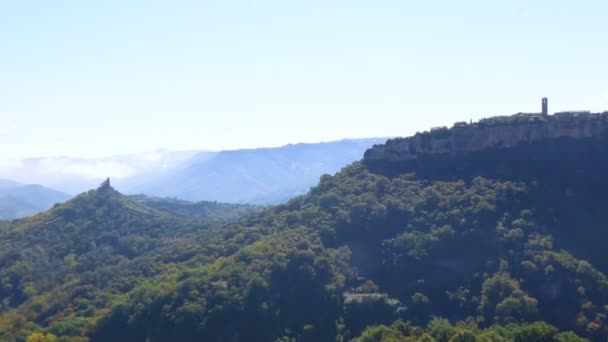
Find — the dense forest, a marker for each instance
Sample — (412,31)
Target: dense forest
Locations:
(64,268)
(495,245)
(213,213)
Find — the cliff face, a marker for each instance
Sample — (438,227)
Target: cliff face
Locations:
(497,132)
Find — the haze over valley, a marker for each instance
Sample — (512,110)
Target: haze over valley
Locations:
(312,171)
(256,176)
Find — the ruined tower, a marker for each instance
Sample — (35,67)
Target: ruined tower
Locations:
(545,106)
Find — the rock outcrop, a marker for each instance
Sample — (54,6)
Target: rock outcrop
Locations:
(496,132)
(105,185)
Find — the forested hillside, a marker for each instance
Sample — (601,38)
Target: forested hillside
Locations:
(475,247)
(64,268)
(303,171)
(374,245)
(214,213)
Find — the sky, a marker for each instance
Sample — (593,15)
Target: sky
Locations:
(97,78)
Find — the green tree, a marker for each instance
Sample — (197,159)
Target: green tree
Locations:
(537,332)
(40,337)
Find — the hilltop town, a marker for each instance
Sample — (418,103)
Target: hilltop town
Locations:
(495,132)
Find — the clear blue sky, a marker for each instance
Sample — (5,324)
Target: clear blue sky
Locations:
(90,78)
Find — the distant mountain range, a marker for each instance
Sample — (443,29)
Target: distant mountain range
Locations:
(19,200)
(259,176)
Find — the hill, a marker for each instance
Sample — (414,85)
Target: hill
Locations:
(481,245)
(19,200)
(261,176)
(494,238)
(63,268)
(214,213)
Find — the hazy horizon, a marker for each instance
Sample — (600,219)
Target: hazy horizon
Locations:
(76,174)
(99,79)
(164,149)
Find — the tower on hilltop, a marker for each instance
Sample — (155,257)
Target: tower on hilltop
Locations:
(545,106)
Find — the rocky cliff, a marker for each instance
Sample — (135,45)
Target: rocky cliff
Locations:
(497,132)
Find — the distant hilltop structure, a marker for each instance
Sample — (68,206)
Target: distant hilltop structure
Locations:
(105,184)
(544,108)
(495,132)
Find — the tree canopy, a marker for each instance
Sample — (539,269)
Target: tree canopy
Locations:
(368,254)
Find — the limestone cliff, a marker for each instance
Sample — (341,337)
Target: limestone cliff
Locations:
(496,132)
